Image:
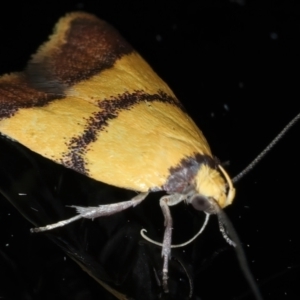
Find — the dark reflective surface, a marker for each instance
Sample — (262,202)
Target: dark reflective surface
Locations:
(235,68)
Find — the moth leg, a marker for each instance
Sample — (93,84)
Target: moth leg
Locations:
(91,212)
(165,202)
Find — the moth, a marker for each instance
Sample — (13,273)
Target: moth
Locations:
(88,101)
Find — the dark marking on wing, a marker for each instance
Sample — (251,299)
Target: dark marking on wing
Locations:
(110,108)
(183,174)
(89,46)
(16,93)
(81,47)
(85,47)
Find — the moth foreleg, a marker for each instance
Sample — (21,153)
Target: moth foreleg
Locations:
(95,212)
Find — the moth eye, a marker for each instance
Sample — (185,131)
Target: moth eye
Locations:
(200,203)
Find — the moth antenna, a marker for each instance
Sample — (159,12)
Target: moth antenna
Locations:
(179,245)
(258,158)
(224,222)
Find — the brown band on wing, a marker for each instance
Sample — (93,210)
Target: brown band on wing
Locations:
(183,174)
(110,108)
(81,46)
(16,93)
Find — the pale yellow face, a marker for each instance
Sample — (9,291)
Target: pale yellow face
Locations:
(211,184)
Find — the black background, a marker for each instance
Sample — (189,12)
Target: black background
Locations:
(235,67)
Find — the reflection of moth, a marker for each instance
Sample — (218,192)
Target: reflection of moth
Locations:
(88,101)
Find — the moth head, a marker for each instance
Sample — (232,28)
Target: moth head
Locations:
(213,186)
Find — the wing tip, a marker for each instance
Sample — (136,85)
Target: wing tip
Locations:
(80,46)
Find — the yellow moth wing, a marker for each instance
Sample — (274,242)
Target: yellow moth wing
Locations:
(88,101)
(44,129)
(143,142)
(130,73)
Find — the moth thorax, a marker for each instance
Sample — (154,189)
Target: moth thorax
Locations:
(211,184)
